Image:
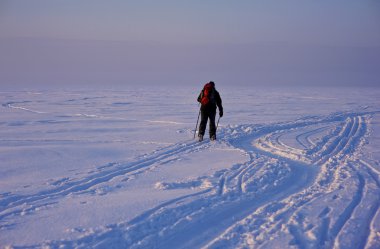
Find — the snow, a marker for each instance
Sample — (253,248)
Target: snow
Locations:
(291,168)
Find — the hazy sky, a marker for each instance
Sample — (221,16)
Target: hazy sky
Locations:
(250,42)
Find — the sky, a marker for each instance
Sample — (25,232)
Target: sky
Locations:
(263,42)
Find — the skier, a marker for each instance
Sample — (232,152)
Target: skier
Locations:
(209,99)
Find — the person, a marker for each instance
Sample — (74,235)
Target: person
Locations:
(209,99)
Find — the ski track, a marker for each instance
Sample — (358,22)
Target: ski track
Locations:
(13,204)
(314,196)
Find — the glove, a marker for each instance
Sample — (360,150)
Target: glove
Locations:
(221,113)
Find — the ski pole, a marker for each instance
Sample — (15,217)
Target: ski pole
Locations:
(196,126)
(217,124)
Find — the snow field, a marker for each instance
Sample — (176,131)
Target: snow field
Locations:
(120,174)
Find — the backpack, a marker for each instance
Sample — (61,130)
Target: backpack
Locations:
(208,94)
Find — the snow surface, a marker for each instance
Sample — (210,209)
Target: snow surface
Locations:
(292,168)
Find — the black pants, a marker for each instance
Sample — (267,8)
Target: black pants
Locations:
(207,112)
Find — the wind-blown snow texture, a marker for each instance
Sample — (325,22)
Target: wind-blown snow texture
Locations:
(295,168)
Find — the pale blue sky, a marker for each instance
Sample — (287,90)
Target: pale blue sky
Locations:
(235,31)
(348,22)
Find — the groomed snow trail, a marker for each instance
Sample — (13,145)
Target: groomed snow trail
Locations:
(307,184)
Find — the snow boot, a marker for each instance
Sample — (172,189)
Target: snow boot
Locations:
(200,138)
(213,138)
